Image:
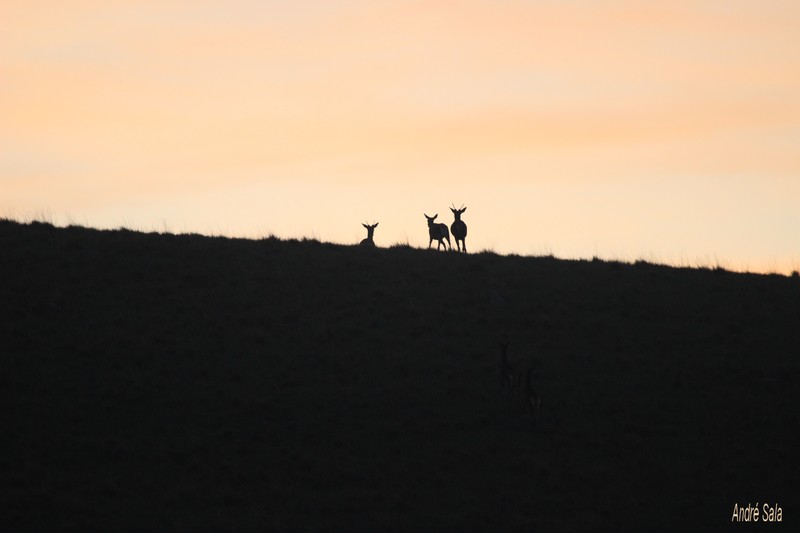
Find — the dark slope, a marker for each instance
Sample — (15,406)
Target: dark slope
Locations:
(154,381)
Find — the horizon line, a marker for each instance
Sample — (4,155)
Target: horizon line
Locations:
(718,265)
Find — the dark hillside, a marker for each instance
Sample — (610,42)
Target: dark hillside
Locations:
(186,382)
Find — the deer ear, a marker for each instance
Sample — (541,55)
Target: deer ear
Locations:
(464,209)
(376,225)
(365,225)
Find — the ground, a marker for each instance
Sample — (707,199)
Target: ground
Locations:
(187,382)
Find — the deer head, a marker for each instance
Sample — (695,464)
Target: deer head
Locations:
(457,212)
(370,229)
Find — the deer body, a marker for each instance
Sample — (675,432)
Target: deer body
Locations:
(459,229)
(519,383)
(437,232)
(507,372)
(531,400)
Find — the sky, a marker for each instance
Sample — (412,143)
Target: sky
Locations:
(666,130)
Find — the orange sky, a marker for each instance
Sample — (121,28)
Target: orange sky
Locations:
(667,130)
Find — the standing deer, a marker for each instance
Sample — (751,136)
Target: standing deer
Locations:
(519,383)
(438,232)
(508,375)
(459,229)
(368,242)
(531,400)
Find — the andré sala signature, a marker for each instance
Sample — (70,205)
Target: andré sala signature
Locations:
(752,513)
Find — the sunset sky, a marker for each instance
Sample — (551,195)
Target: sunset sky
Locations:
(667,130)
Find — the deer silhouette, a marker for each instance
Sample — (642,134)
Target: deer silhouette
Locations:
(437,232)
(531,400)
(459,229)
(508,375)
(519,383)
(368,242)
